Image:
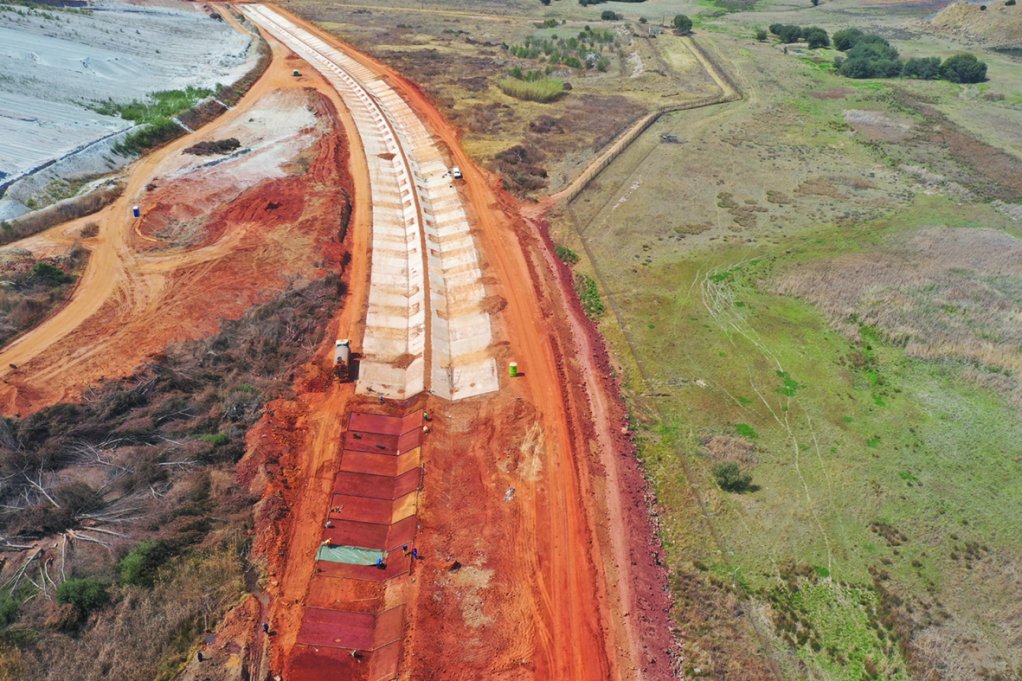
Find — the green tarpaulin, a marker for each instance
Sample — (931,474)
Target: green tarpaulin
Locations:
(352,555)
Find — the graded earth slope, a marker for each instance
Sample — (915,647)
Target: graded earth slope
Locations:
(537,553)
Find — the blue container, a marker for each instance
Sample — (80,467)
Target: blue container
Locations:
(135,211)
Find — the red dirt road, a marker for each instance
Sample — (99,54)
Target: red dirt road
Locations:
(532,490)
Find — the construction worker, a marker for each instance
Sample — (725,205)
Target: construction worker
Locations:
(380,564)
(425,415)
(266,628)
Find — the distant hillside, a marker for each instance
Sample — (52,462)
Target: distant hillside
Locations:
(996,26)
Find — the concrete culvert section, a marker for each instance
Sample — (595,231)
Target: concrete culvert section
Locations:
(421,237)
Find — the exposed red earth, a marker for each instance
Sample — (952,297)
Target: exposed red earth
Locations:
(539,559)
(532,493)
(212,241)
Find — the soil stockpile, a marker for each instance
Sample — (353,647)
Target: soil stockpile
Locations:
(998,25)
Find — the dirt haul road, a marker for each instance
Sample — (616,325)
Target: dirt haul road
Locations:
(529,492)
(213,240)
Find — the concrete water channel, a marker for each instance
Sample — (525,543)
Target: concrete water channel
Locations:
(425,325)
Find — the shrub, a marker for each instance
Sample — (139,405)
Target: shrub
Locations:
(609,15)
(1010,3)
(566,255)
(589,296)
(139,566)
(50,275)
(215,439)
(963,68)
(924,68)
(731,478)
(682,24)
(84,593)
(788,33)
(816,37)
(872,57)
(761,34)
(846,39)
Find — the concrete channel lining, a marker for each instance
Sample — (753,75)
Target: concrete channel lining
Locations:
(393,347)
(397,144)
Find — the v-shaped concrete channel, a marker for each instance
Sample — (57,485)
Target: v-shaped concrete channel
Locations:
(421,239)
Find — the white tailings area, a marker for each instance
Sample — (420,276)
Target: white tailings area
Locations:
(57,63)
(413,200)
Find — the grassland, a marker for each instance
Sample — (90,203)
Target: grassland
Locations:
(878,541)
(541,90)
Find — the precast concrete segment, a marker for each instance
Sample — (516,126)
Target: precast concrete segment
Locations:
(460,328)
(393,348)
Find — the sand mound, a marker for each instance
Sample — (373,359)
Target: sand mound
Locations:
(996,26)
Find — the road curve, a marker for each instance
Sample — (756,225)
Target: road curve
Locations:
(421,239)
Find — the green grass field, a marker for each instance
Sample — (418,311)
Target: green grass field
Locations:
(888,487)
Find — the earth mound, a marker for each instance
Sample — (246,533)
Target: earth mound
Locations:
(998,25)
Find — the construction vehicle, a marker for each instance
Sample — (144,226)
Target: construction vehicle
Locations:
(342,359)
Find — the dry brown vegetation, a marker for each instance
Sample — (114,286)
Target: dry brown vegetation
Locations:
(30,289)
(985,170)
(716,635)
(940,294)
(148,457)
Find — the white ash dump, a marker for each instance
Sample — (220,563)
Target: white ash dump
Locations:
(60,62)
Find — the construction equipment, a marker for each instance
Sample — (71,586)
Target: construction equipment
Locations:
(342,359)
(456,173)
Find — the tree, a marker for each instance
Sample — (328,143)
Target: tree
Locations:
(963,68)
(816,2)
(761,34)
(788,33)
(924,68)
(682,24)
(872,57)
(731,478)
(1010,3)
(816,37)
(84,593)
(846,39)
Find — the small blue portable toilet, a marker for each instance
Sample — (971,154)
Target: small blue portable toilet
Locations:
(135,211)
